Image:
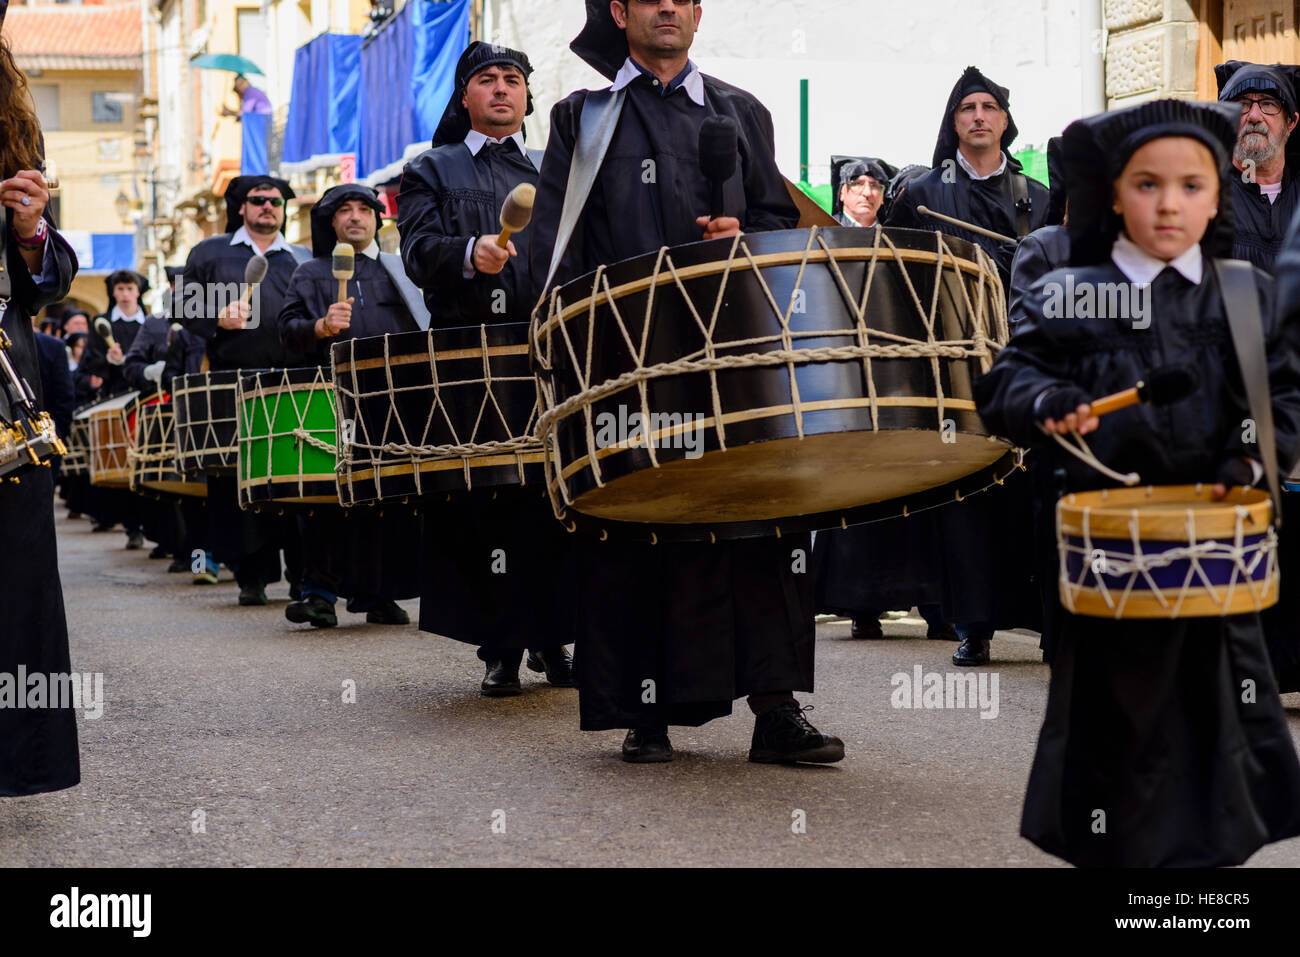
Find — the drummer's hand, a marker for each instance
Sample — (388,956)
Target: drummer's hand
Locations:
(489,258)
(337,318)
(1232,473)
(1081,420)
(115,355)
(720,227)
(235,315)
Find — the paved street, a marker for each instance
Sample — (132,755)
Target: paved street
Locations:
(239,714)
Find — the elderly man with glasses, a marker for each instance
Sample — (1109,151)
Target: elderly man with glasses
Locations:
(860,183)
(1265,196)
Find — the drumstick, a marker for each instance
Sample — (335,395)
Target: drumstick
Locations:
(344,266)
(965,225)
(1161,386)
(254,272)
(105,329)
(516,212)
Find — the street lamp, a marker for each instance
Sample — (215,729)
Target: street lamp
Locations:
(123,206)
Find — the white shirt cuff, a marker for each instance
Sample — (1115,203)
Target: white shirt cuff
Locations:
(467,265)
(1256,470)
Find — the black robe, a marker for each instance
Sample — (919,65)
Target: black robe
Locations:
(250,541)
(38,747)
(1258,226)
(707,623)
(494,560)
(447,197)
(1145,718)
(364,552)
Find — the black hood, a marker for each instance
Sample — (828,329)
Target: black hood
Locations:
(1097,149)
(478,56)
(113,278)
(845,169)
(1056,179)
(972,81)
(602,45)
(1283,81)
(323,237)
(238,189)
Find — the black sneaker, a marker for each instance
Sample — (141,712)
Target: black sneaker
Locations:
(383,612)
(784,736)
(252,595)
(313,609)
(647,746)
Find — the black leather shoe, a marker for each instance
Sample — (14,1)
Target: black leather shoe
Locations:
(867,628)
(386,613)
(313,609)
(784,736)
(556,663)
(252,595)
(502,678)
(102,526)
(178,565)
(159,552)
(944,632)
(972,651)
(134,542)
(647,746)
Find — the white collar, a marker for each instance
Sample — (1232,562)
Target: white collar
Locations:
(117,313)
(371,251)
(280,245)
(970,170)
(1140,266)
(476,141)
(693,84)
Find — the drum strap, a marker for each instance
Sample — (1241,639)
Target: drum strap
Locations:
(1020,204)
(1241,302)
(5,287)
(410,294)
(596,125)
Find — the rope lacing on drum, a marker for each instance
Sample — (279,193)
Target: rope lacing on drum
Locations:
(1136,565)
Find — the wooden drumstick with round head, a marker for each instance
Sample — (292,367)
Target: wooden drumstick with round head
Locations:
(516,212)
(105,329)
(254,272)
(1162,386)
(344,266)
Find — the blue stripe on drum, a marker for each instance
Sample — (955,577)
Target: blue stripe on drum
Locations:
(1172,576)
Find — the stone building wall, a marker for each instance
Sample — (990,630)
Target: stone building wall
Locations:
(1150,50)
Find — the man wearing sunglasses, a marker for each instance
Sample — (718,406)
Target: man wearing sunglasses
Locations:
(244,335)
(1265,196)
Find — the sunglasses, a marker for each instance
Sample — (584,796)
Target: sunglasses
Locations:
(275,201)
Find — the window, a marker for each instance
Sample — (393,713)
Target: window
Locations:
(252,38)
(45,97)
(107,107)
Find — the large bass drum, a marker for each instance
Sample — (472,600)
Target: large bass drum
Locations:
(769,383)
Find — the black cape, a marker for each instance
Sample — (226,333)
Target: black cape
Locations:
(447,197)
(726,619)
(38,747)
(1260,226)
(1145,719)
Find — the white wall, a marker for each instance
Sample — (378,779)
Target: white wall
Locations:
(879,72)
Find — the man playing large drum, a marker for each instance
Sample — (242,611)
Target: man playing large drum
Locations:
(672,634)
(493,564)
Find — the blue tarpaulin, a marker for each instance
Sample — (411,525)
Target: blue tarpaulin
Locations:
(252,154)
(323,106)
(407,76)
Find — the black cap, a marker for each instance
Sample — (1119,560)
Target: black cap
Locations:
(1097,149)
(323,237)
(478,56)
(845,169)
(971,81)
(240,187)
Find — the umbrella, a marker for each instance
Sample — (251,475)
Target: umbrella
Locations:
(231,62)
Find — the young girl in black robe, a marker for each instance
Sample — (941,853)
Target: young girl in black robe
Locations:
(1153,751)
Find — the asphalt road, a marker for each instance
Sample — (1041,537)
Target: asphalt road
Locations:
(234,718)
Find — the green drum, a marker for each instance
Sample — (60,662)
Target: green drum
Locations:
(287,438)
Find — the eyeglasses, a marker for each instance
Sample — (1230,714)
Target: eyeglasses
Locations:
(864,184)
(1267,105)
(275,201)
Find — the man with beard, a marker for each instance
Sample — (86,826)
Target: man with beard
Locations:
(366,554)
(730,619)
(861,183)
(448,213)
(239,338)
(1266,195)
